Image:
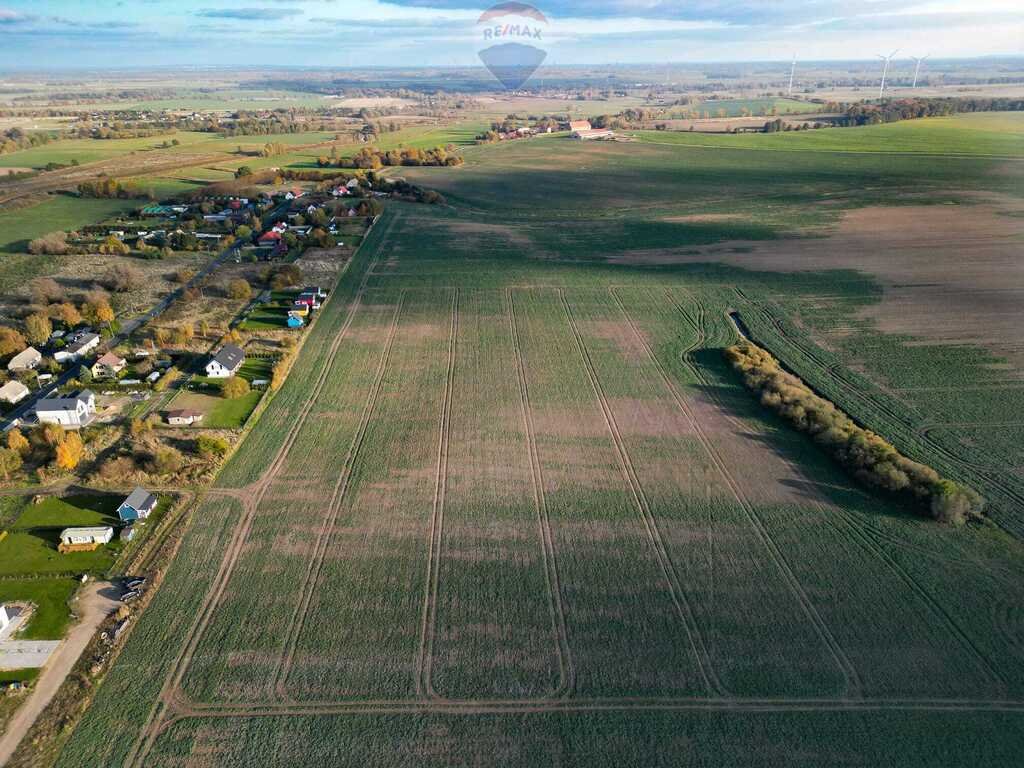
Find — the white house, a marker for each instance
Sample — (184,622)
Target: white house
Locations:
(226,362)
(26,360)
(101,534)
(13,392)
(83,346)
(75,410)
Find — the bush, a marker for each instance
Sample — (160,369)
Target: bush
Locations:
(122,278)
(164,461)
(54,244)
(239,289)
(210,447)
(235,387)
(870,459)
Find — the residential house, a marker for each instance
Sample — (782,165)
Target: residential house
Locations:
(315,290)
(13,392)
(339,192)
(352,183)
(79,539)
(299,310)
(579,125)
(26,360)
(139,505)
(270,238)
(226,362)
(108,366)
(75,410)
(78,349)
(184,417)
(294,321)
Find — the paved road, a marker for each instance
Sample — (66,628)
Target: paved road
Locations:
(95,602)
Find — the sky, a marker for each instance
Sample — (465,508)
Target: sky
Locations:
(67,34)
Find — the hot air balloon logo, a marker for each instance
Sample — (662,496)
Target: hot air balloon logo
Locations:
(510,40)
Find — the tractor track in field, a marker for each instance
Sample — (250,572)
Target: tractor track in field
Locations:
(667,566)
(251,496)
(428,626)
(566,669)
(853,682)
(582,706)
(298,619)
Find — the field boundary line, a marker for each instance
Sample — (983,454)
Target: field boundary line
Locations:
(428,627)
(170,690)
(846,667)
(567,671)
(667,566)
(316,563)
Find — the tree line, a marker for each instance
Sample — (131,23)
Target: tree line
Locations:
(866,455)
(14,139)
(371,158)
(893,110)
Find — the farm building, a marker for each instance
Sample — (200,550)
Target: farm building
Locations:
(13,392)
(579,125)
(138,506)
(108,366)
(593,133)
(26,360)
(82,539)
(183,417)
(226,362)
(75,410)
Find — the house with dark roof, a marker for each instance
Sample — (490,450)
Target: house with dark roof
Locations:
(226,362)
(138,506)
(73,411)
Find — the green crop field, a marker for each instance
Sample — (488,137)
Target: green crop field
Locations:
(511,506)
(998,134)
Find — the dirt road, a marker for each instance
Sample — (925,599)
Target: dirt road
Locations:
(95,602)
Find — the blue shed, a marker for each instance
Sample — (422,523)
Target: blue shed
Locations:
(294,321)
(137,506)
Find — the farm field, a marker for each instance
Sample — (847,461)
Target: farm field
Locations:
(512,507)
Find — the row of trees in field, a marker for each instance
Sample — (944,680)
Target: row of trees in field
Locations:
(892,110)
(371,158)
(870,459)
(110,188)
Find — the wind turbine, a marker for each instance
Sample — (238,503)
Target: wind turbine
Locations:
(917,68)
(885,70)
(792,71)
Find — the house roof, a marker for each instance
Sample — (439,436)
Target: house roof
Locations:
(110,359)
(95,530)
(184,413)
(69,403)
(140,498)
(83,342)
(27,355)
(230,356)
(13,390)
(271,235)
(579,125)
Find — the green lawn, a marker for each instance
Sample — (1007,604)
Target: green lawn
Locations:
(57,213)
(220,412)
(31,544)
(50,597)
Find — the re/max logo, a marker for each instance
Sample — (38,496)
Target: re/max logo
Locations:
(511,30)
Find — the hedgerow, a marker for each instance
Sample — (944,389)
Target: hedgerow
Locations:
(869,457)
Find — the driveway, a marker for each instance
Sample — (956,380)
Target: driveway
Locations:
(95,602)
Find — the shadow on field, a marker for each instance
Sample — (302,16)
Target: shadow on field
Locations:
(824,479)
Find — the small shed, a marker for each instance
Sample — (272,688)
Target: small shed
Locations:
(138,506)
